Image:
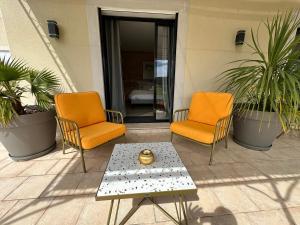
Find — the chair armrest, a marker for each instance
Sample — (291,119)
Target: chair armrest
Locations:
(69,131)
(114,116)
(180,114)
(222,128)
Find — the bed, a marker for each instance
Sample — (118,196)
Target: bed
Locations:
(141,96)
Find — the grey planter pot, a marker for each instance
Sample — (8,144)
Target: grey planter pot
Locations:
(30,136)
(253,133)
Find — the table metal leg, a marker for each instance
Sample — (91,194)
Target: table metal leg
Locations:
(110,211)
(117,211)
(131,212)
(182,206)
(177,210)
(186,206)
(183,209)
(164,212)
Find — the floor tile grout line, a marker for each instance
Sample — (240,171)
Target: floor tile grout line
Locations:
(15,188)
(48,206)
(81,210)
(16,202)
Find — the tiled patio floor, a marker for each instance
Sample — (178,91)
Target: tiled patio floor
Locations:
(242,187)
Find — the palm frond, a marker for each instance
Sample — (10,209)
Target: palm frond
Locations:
(12,70)
(16,78)
(270,82)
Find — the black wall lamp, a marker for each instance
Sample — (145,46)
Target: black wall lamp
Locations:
(53,29)
(298,31)
(240,37)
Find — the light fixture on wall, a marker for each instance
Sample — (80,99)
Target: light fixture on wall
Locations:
(298,31)
(240,37)
(53,29)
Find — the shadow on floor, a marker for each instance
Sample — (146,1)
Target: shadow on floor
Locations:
(255,173)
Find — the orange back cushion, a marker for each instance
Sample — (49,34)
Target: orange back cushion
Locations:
(85,108)
(209,107)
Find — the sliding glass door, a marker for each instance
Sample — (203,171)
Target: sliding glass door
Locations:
(164,70)
(131,84)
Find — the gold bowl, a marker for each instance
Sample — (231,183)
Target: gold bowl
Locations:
(146,157)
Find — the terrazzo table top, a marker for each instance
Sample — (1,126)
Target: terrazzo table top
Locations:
(125,177)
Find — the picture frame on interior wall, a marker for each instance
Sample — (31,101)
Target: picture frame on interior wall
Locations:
(148,70)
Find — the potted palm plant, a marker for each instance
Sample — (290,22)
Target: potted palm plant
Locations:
(267,87)
(26,131)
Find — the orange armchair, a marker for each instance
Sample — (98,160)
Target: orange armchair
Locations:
(207,121)
(83,122)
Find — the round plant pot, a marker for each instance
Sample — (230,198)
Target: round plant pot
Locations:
(30,136)
(254,132)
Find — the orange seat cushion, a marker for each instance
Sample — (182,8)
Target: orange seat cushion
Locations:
(209,107)
(85,108)
(97,134)
(201,132)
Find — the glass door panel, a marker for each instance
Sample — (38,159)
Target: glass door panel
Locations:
(162,64)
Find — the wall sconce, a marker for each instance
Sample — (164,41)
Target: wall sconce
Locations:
(240,37)
(53,29)
(298,31)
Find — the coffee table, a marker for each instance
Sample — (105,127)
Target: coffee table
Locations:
(125,177)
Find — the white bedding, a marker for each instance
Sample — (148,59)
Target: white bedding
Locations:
(147,95)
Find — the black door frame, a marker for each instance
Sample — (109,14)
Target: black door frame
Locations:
(169,22)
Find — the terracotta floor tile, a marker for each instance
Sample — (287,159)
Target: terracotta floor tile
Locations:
(63,185)
(63,210)
(8,185)
(4,162)
(94,212)
(64,166)
(33,187)
(145,214)
(268,217)
(93,165)
(206,204)
(233,199)
(5,206)
(262,195)
(26,212)
(233,219)
(293,214)
(237,189)
(39,168)
(89,183)
(15,168)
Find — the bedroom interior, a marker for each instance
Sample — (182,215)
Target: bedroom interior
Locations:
(137,53)
(138,56)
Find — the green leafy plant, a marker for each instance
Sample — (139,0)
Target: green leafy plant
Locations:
(270,82)
(17,79)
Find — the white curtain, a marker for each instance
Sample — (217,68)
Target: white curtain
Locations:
(114,62)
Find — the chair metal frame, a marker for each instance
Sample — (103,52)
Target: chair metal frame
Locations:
(70,132)
(221,130)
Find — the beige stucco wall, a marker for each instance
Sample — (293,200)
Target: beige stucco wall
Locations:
(205,42)
(3,37)
(212,28)
(27,36)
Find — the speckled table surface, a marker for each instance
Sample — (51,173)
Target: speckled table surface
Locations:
(125,177)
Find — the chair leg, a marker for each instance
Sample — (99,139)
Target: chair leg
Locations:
(171,136)
(212,154)
(82,160)
(63,147)
(226,141)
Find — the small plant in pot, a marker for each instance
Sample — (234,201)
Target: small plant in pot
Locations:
(26,131)
(267,88)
